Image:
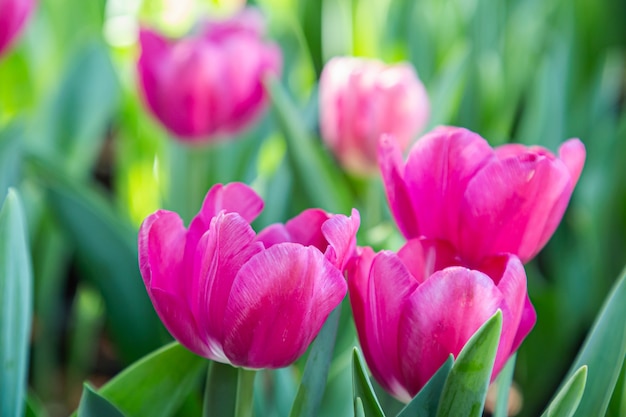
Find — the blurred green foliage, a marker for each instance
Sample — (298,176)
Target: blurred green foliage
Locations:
(90,163)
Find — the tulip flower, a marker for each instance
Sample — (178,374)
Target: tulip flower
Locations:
(414,308)
(208,84)
(361,99)
(483,201)
(228,294)
(13,16)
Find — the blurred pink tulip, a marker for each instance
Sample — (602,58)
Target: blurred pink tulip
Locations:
(235,297)
(415,308)
(210,83)
(483,201)
(361,99)
(13,16)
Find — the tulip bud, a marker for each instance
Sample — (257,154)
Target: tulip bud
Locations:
(13,16)
(210,83)
(238,298)
(362,99)
(483,201)
(415,308)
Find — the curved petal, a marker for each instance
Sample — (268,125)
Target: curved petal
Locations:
(573,155)
(438,169)
(340,232)
(400,203)
(278,303)
(439,318)
(161,244)
(423,257)
(305,229)
(219,255)
(388,286)
(513,205)
(527,322)
(508,274)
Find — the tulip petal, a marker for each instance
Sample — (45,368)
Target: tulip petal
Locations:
(161,244)
(219,255)
(573,154)
(392,170)
(389,285)
(279,301)
(305,229)
(513,205)
(438,169)
(340,232)
(527,322)
(423,257)
(440,317)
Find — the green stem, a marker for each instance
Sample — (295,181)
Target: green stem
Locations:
(245,393)
(503,386)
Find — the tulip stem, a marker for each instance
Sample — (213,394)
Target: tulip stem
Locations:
(245,391)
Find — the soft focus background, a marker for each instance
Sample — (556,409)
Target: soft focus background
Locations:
(91,163)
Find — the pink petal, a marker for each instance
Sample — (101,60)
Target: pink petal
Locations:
(219,255)
(392,170)
(13,16)
(439,318)
(279,301)
(438,169)
(305,229)
(508,274)
(527,322)
(161,244)
(340,232)
(423,257)
(573,154)
(388,286)
(513,205)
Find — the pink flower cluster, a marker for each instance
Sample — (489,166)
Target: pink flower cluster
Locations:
(472,215)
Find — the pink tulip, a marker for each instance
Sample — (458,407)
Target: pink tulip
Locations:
(13,16)
(415,308)
(483,201)
(361,99)
(235,297)
(210,83)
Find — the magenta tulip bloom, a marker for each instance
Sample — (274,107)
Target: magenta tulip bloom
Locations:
(361,99)
(235,297)
(13,16)
(483,201)
(208,84)
(415,308)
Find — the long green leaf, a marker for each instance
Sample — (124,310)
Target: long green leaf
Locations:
(15,306)
(603,352)
(362,388)
(566,401)
(107,254)
(156,385)
(426,401)
(311,389)
(325,186)
(94,405)
(465,389)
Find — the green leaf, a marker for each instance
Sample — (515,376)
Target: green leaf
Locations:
(465,389)
(503,383)
(311,389)
(603,352)
(94,405)
(107,255)
(359,411)
(16,284)
(156,385)
(74,123)
(10,157)
(324,184)
(426,401)
(362,388)
(568,398)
